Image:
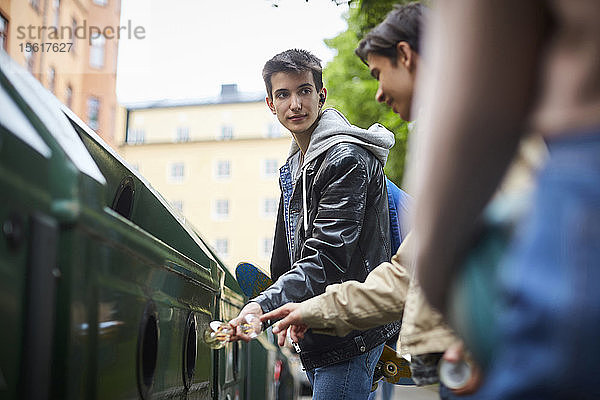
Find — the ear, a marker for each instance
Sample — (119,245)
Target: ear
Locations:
(322,96)
(270,105)
(405,55)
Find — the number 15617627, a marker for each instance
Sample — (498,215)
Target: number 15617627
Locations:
(46,47)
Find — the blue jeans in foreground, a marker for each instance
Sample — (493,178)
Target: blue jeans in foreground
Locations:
(348,380)
(549,327)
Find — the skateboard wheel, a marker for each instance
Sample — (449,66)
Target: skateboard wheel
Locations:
(390,369)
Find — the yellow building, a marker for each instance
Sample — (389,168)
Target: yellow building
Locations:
(217,161)
(70,46)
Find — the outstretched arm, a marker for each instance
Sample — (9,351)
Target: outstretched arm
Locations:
(476,89)
(351,305)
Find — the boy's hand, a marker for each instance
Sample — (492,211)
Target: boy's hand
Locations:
(250,308)
(290,318)
(456,353)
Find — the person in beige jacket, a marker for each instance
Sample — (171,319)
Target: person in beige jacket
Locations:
(389,293)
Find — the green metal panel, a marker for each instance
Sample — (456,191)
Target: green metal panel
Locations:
(150,211)
(26,179)
(125,275)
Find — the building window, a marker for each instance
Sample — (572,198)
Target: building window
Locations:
(69,96)
(223,169)
(269,207)
(51,79)
(226,132)
(93,111)
(135,136)
(101,2)
(182,134)
(222,247)
(35,4)
(73,36)
(178,205)
(112,121)
(273,130)
(55,13)
(30,60)
(97,51)
(176,172)
(270,169)
(266,247)
(115,51)
(3,32)
(221,209)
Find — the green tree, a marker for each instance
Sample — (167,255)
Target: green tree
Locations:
(352,88)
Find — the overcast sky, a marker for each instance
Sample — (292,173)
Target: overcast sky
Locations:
(193,46)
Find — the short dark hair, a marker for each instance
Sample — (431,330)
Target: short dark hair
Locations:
(295,61)
(402,24)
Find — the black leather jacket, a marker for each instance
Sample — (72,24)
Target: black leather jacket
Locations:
(348,236)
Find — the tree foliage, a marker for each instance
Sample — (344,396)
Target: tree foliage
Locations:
(352,88)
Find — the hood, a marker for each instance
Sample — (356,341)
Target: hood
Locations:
(334,128)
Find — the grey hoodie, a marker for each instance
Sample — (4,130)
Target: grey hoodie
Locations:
(334,128)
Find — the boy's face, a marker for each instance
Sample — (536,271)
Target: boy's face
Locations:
(295,100)
(396,83)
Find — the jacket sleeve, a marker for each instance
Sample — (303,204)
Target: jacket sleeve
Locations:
(334,232)
(354,305)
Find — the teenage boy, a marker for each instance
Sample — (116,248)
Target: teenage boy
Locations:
(391,51)
(333,222)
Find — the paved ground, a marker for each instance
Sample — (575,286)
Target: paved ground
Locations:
(407,393)
(414,393)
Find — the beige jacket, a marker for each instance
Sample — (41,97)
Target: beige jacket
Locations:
(388,294)
(354,305)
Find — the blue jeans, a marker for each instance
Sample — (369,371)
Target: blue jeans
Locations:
(549,327)
(348,380)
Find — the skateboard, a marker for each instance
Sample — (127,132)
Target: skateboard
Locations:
(251,279)
(391,367)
